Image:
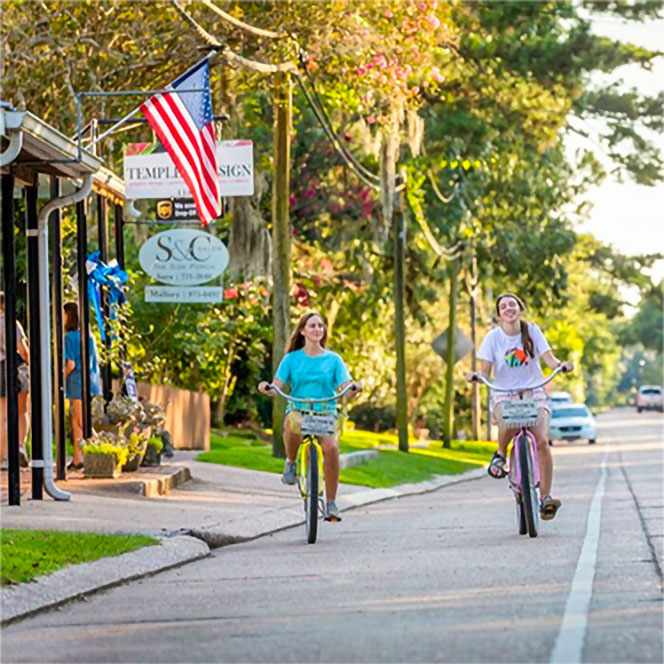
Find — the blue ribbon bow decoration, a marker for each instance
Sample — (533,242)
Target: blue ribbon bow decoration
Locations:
(110,276)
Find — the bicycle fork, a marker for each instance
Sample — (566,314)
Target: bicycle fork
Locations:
(515,462)
(303,453)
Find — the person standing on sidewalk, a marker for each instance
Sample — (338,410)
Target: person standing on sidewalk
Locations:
(73,374)
(313,372)
(23,351)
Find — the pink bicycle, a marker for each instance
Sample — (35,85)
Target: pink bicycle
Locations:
(524,472)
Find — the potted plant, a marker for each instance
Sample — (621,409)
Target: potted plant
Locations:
(115,416)
(136,445)
(153,452)
(103,456)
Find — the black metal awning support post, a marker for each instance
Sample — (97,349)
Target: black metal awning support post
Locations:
(119,235)
(34,324)
(102,228)
(84,315)
(11,365)
(58,337)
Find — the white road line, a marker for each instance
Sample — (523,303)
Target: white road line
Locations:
(569,644)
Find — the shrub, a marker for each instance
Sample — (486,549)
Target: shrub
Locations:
(371,417)
(107,448)
(156,443)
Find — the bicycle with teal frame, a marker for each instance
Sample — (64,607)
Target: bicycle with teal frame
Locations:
(310,476)
(524,472)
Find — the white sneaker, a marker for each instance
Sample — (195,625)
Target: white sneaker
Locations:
(290,473)
(332,512)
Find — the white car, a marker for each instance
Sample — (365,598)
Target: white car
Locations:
(649,397)
(572,421)
(560,399)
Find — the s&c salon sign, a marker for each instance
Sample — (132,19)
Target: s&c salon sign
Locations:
(183,257)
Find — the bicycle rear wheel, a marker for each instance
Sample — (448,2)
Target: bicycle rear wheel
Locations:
(529,496)
(311,499)
(521,517)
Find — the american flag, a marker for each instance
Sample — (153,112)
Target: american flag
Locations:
(183,122)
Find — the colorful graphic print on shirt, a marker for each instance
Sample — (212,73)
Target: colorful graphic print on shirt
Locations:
(515,357)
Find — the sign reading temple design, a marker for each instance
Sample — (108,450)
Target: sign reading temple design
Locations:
(149,171)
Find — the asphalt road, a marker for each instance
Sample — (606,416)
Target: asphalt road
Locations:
(441,577)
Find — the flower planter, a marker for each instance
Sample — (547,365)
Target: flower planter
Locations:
(152,457)
(101,465)
(134,462)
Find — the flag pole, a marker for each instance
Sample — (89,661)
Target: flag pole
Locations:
(114,127)
(137,92)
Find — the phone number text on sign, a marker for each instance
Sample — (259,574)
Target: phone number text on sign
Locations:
(175,294)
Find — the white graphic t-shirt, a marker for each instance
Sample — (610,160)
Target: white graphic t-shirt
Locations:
(512,367)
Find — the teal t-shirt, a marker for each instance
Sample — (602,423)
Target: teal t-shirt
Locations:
(313,377)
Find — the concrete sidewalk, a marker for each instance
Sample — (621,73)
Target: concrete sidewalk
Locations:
(220,505)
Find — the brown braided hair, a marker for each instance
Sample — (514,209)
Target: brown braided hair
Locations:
(297,338)
(526,339)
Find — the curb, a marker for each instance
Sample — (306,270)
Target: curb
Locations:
(75,582)
(158,486)
(150,482)
(289,517)
(357,458)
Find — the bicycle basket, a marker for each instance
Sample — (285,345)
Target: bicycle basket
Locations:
(318,423)
(519,413)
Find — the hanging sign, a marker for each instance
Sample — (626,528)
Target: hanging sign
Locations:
(178,209)
(183,257)
(149,171)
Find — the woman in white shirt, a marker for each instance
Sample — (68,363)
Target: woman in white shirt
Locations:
(513,350)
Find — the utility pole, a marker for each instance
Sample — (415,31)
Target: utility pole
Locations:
(489,300)
(394,222)
(475,394)
(399,236)
(448,418)
(473,288)
(281,242)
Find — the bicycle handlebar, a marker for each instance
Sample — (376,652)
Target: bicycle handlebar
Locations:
(478,377)
(336,397)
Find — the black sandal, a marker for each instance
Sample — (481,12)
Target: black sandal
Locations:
(549,508)
(498,462)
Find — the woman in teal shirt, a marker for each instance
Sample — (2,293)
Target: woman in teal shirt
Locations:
(73,375)
(313,372)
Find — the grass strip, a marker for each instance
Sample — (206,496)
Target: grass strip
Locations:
(390,469)
(26,554)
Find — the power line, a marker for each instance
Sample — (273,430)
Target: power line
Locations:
(327,120)
(334,138)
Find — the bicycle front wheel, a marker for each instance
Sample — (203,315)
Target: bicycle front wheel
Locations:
(311,498)
(529,498)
